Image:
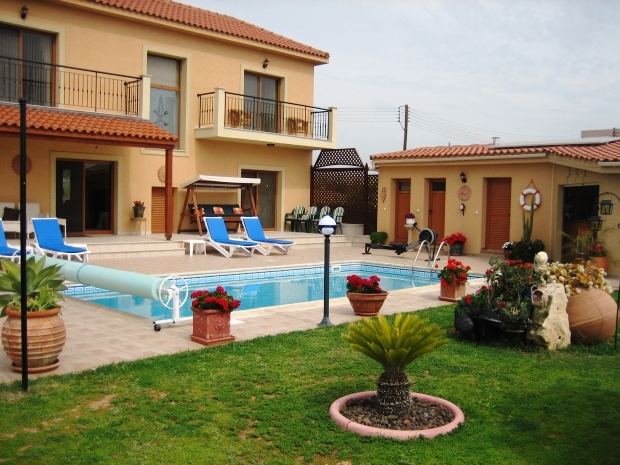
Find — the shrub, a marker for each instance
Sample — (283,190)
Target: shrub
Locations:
(378,237)
(527,250)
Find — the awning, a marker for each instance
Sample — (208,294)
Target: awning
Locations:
(202,181)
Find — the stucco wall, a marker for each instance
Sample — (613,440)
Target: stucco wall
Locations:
(548,177)
(91,40)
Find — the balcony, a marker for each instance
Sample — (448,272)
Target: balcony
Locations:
(242,118)
(66,87)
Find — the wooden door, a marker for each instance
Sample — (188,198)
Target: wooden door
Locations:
(498,212)
(403,202)
(158,209)
(437,206)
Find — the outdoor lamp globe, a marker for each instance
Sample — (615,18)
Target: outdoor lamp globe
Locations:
(327,226)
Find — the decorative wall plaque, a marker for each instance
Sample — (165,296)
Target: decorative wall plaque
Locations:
(15,164)
(464,193)
(161,174)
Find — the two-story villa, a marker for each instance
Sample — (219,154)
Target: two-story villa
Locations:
(127,99)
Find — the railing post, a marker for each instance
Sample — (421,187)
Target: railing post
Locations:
(144,110)
(332,126)
(219,109)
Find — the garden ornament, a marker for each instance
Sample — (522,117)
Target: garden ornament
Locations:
(540,259)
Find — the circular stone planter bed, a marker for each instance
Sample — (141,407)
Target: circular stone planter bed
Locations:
(435,415)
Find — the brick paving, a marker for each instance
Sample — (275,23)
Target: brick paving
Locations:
(97,335)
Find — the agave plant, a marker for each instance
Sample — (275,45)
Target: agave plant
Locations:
(394,347)
(43,284)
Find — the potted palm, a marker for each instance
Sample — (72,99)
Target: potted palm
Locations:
(365,295)
(393,410)
(46,332)
(211,322)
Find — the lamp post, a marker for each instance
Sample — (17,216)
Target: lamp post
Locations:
(327,226)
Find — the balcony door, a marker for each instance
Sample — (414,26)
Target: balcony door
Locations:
(32,77)
(266,196)
(84,196)
(260,101)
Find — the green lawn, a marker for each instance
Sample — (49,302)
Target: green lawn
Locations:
(266,401)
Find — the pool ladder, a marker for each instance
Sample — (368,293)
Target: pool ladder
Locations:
(431,260)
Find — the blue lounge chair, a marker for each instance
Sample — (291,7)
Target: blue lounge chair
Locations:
(254,232)
(49,241)
(6,251)
(217,237)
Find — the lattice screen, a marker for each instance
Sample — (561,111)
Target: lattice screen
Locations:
(351,188)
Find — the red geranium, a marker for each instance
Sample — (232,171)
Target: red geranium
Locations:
(359,285)
(454,271)
(215,300)
(453,238)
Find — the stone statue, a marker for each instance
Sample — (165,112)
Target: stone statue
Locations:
(552,330)
(540,259)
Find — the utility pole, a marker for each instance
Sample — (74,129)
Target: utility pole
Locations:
(406,126)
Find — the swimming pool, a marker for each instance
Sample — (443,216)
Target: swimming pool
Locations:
(265,288)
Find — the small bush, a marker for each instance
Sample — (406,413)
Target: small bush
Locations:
(378,237)
(527,250)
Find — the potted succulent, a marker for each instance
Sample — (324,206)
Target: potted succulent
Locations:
(138,209)
(453,279)
(46,330)
(211,322)
(456,241)
(365,295)
(410,218)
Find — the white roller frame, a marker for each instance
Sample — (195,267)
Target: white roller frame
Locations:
(176,295)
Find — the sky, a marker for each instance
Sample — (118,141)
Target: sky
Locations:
(524,71)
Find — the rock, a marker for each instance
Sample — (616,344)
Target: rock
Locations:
(554,331)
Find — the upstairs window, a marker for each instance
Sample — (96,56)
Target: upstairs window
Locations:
(165,92)
(25,71)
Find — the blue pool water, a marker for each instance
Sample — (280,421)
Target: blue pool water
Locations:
(262,288)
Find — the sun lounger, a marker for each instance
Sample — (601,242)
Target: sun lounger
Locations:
(217,237)
(254,232)
(49,241)
(6,251)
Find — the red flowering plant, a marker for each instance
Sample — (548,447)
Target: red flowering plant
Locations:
(505,293)
(138,203)
(597,250)
(214,300)
(454,271)
(454,238)
(409,216)
(358,285)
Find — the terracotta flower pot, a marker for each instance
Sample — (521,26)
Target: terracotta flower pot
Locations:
(591,316)
(211,327)
(46,339)
(367,304)
(600,262)
(452,292)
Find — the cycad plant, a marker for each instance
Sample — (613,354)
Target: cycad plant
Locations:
(394,347)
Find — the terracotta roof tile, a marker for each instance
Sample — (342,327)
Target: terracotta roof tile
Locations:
(597,151)
(204,19)
(62,122)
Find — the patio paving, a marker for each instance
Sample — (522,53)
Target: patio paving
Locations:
(97,335)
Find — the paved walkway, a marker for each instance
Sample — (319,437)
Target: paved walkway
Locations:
(97,335)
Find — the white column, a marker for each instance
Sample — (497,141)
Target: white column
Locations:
(219,103)
(333,125)
(145,97)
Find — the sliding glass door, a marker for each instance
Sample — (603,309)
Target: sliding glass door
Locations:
(84,196)
(266,196)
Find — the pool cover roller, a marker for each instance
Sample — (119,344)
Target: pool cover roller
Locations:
(126,282)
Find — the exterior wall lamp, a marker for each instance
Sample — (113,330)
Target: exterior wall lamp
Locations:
(24,12)
(265,63)
(606,207)
(463,178)
(462,207)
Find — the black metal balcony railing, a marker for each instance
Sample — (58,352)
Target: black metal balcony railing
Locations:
(259,114)
(53,85)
